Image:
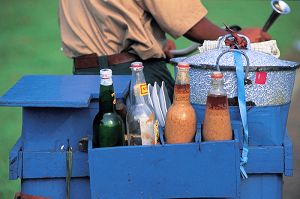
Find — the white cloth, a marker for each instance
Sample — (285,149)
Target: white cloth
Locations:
(269,47)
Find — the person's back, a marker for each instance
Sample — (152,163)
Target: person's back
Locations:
(113,33)
(111,27)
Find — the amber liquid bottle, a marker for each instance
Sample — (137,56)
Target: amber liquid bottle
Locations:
(181,117)
(217,124)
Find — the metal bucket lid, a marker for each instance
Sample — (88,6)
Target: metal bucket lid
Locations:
(258,61)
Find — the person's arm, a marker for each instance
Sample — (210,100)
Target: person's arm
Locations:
(206,30)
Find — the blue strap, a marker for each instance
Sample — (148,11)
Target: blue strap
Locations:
(242,106)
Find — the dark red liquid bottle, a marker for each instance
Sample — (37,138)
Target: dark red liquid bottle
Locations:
(217,124)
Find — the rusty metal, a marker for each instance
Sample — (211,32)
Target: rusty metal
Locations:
(20,195)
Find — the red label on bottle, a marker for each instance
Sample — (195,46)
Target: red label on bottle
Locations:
(260,77)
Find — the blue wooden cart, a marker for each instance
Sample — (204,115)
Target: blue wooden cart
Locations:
(51,160)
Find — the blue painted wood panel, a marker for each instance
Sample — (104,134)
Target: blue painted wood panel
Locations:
(166,171)
(58,108)
(262,186)
(288,155)
(53,165)
(16,161)
(59,90)
(267,124)
(45,130)
(48,129)
(267,159)
(55,188)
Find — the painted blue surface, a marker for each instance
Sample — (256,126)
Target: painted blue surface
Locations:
(166,171)
(267,125)
(268,159)
(48,129)
(262,186)
(288,155)
(53,165)
(59,90)
(55,188)
(15,160)
(24,162)
(51,118)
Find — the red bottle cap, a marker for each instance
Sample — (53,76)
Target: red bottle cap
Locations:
(136,65)
(183,65)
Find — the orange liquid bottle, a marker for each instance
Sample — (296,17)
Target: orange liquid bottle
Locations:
(181,117)
(217,124)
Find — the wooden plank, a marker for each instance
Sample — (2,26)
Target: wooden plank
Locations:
(267,159)
(288,155)
(59,90)
(53,165)
(167,171)
(55,188)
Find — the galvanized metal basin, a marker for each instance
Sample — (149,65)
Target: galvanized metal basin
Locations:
(270,81)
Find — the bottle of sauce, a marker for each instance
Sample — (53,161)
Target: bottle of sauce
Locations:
(140,120)
(217,124)
(181,117)
(108,126)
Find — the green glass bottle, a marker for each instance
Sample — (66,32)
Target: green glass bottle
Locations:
(108,126)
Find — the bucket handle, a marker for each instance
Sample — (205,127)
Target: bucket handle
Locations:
(246,68)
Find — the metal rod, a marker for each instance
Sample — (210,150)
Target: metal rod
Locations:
(274,15)
(279,7)
(186,51)
(68,169)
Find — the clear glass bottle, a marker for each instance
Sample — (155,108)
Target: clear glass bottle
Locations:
(108,126)
(140,119)
(216,125)
(181,117)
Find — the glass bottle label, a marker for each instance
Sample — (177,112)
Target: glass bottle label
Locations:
(141,89)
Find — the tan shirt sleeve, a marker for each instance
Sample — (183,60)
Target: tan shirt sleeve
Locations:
(175,17)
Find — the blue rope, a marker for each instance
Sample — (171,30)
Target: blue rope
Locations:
(243,111)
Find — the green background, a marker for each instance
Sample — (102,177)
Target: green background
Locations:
(30,44)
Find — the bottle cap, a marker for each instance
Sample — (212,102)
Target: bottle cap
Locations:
(217,75)
(183,65)
(136,65)
(105,73)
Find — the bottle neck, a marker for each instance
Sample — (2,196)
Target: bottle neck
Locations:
(217,87)
(106,81)
(139,88)
(107,101)
(182,76)
(182,87)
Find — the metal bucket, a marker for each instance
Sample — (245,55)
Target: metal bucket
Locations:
(270,81)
